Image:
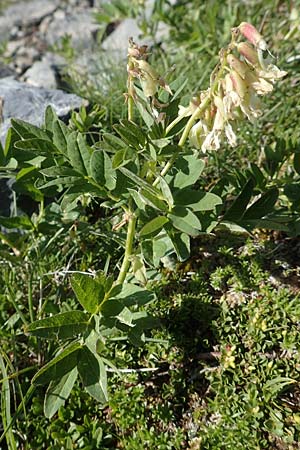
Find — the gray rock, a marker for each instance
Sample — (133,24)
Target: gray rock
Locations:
(12,47)
(41,74)
(29,103)
(117,42)
(6,71)
(24,13)
(79,25)
(6,24)
(29,12)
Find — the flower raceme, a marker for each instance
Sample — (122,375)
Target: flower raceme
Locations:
(138,67)
(243,76)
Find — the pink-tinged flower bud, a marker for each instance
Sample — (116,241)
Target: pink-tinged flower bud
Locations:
(248,53)
(237,65)
(239,84)
(253,36)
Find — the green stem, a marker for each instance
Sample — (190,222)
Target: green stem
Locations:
(166,168)
(41,212)
(196,115)
(184,137)
(172,124)
(128,249)
(30,299)
(130,102)
(130,108)
(16,306)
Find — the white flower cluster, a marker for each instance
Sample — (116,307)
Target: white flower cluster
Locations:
(243,77)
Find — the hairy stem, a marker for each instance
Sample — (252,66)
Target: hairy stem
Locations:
(130,102)
(128,249)
(130,108)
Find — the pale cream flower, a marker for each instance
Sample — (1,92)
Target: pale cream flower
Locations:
(149,78)
(231,136)
(231,99)
(198,133)
(272,73)
(260,85)
(186,111)
(251,106)
(213,138)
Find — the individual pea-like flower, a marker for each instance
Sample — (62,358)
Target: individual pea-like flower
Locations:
(236,64)
(253,36)
(186,111)
(220,124)
(248,52)
(271,73)
(198,133)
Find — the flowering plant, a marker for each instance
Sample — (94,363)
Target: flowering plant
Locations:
(148,181)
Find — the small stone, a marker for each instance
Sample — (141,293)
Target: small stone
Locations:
(41,74)
(44,25)
(6,71)
(12,47)
(14,31)
(59,15)
(22,64)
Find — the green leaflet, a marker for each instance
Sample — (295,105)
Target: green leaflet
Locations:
(92,372)
(89,292)
(184,220)
(64,325)
(58,392)
(59,366)
(101,169)
(154,226)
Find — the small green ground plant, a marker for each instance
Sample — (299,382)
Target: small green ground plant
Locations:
(147,186)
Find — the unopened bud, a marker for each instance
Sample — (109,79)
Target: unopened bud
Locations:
(239,84)
(237,65)
(248,53)
(253,36)
(149,86)
(147,69)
